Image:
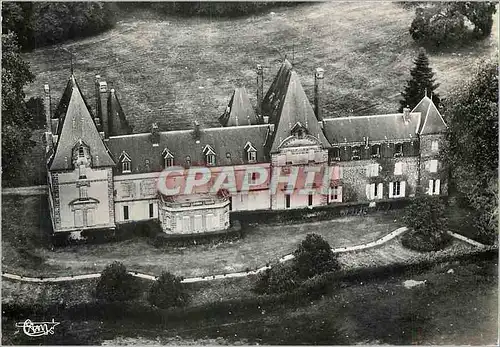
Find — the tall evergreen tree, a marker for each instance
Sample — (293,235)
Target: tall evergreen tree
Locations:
(422,81)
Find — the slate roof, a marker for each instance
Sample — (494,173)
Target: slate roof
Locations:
(183,143)
(286,104)
(239,110)
(76,124)
(431,121)
(376,128)
(117,122)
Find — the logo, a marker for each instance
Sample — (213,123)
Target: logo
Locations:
(35,329)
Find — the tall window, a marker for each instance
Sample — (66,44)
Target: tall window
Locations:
(434,146)
(336,153)
(151,210)
(433,165)
(147,165)
(83,192)
(125,212)
(81,152)
(188,161)
(210,159)
(252,156)
(336,194)
(396,188)
(355,153)
(125,166)
(169,162)
(398,150)
(287,200)
(375,151)
(434,187)
(310,200)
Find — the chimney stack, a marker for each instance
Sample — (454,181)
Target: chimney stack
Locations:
(155,135)
(318,89)
(196,131)
(260,89)
(406,114)
(48,107)
(102,104)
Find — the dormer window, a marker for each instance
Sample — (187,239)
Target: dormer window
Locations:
(398,150)
(125,160)
(147,165)
(209,155)
(355,153)
(336,153)
(375,151)
(188,161)
(168,158)
(251,152)
(81,152)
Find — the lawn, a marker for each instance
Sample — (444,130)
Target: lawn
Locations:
(261,244)
(173,70)
(459,308)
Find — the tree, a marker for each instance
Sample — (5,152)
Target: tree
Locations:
(314,256)
(168,291)
(472,151)
(280,279)
(422,82)
(17,122)
(116,284)
(480,14)
(425,216)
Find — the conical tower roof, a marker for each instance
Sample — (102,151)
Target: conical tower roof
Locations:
(431,121)
(77,126)
(239,110)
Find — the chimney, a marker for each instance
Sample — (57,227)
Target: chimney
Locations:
(260,89)
(102,104)
(266,119)
(406,114)
(155,135)
(48,107)
(196,131)
(318,89)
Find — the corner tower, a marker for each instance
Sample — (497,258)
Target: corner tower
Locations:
(79,168)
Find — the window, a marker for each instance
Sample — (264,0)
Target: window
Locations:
(252,156)
(336,153)
(83,193)
(433,165)
(398,168)
(253,177)
(310,200)
(335,194)
(151,210)
(168,158)
(230,203)
(169,162)
(251,152)
(374,191)
(125,166)
(372,170)
(209,153)
(81,152)
(355,153)
(434,187)
(188,161)
(125,212)
(375,151)
(287,200)
(147,165)
(434,146)
(396,188)
(82,172)
(398,150)
(210,159)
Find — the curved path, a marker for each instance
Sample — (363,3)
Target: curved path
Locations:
(285,258)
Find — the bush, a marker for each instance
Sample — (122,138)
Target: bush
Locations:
(168,291)
(426,216)
(314,257)
(280,279)
(115,284)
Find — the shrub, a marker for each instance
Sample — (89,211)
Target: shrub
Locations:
(168,291)
(280,279)
(115,284)
(314,256)
(426,216)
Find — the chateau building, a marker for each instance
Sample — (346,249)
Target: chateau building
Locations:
(100,174)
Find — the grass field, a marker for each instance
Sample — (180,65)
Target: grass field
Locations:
(173,70)
(261,244)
